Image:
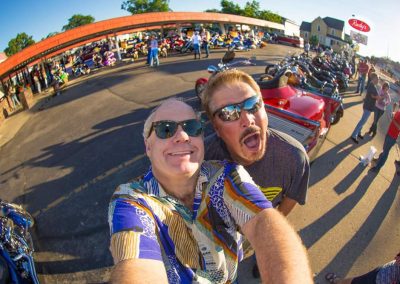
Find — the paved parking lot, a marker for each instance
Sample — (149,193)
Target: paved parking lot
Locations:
(65,161)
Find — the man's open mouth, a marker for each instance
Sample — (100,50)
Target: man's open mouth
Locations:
(252,141)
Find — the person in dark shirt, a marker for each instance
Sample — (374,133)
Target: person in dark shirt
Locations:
(233,103)
(368,107)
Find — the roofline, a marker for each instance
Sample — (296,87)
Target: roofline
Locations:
(117,25)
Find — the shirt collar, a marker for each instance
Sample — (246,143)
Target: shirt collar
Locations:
(153,187)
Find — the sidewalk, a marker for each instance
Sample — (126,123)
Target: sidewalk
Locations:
(12,124)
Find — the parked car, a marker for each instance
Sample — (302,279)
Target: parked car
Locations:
(290,40)
(301,114)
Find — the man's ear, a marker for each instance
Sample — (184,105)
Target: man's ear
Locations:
(147,145)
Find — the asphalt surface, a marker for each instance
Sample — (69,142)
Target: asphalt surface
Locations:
(63,159)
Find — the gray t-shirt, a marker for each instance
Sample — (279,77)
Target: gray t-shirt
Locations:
(283,171)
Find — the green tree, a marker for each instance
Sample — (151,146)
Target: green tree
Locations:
(270,16)
(213,11)
(50,35)
(252,9)
(78,20)
(314,40)
(18,43)
(228,7)
(145,6)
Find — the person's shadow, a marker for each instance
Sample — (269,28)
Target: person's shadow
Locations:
(345,258)
(314,231)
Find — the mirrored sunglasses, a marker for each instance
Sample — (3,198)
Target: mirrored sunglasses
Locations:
(167,128)
(232,112)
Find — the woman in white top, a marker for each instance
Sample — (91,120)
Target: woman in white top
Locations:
(196,40)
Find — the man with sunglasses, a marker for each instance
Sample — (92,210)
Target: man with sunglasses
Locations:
(277,162)
(183,222)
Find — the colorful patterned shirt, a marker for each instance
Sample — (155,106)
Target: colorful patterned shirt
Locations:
(202,245)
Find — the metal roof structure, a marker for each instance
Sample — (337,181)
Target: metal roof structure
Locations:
(91,32)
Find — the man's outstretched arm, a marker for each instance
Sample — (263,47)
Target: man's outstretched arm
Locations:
(281,256)
(139,271)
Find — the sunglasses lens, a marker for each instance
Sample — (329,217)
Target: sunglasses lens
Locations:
(252,105)
(232,112)
(229,113)
(165,129)
(192,127)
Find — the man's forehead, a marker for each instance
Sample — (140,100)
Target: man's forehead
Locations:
(240,88)
(174,110)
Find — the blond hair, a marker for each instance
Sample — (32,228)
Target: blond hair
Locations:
(224,78)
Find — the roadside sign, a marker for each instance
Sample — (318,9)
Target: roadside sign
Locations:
(359,25)
(358,37)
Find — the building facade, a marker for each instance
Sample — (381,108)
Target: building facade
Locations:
(328,31)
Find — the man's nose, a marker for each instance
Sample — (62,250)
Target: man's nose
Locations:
(246,119)
(180,135)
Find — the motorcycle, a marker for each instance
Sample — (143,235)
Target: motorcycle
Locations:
(217,42)
(16,246)
(132,53)
(223,65)
(60,80)
(237,44)
(79,69)
(188,47)
(97,60)
(108,58)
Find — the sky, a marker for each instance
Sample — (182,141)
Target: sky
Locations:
(38,18)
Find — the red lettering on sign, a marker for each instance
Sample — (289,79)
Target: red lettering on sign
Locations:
(359,25)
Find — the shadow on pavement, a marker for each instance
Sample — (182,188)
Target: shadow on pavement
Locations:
(328,162)
(344,260)
(70,207)
(314,231)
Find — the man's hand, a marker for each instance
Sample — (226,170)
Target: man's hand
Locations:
(281,256)
(139,271)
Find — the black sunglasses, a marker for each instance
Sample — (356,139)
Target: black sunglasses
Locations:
(167,128)
(232,112)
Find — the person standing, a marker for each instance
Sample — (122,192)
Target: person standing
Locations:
(154,51)
(13,94)
(233,103)
(307,48)
(36,80)
(390,140)
(381,103)
(205,36)
(362,69)
(196,41)
(368,107)
(44,76)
